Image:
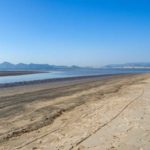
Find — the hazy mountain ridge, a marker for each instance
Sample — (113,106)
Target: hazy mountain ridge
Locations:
(6,66)
(129,65)
(32,66)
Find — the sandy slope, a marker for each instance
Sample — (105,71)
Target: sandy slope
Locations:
(94,114)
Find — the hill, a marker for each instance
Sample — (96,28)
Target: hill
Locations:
(21,66)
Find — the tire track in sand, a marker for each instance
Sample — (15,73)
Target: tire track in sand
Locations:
(111,120)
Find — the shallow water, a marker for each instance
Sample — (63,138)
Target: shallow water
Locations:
(65,74)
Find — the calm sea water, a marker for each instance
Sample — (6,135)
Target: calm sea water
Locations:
(65,74)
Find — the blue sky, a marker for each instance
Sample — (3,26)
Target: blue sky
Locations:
(75,32)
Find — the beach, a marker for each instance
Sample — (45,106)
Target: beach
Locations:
(88,113)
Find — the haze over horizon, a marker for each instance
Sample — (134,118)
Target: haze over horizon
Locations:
(78,32)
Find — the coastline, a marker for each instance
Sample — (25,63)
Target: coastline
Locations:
(33,114)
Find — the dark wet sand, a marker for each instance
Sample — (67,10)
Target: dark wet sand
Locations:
(15,73)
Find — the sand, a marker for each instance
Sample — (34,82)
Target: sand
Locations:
(100,113)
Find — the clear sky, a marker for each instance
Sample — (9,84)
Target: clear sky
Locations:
(75,32)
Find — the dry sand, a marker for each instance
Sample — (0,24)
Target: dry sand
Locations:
(101,113)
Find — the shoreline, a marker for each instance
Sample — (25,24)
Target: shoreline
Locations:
(16,73)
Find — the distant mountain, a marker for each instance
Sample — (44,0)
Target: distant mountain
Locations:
(32,66)
(6,65)
(129,65)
